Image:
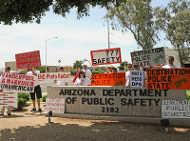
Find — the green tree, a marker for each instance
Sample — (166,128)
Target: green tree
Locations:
(41,69)
(123,66)
(137,17)
(25,11)
(174,20)
(77,65)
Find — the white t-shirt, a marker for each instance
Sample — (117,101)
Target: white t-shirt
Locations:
(88,74)
(81,82)
(127,77)
(35,77)
(169,66)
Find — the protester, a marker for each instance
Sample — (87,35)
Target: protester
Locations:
(127,74)
(59,82)
(81,80)
(170,64)
(7,70)
(110,69)
(88,73)
(37,89)
(114,69)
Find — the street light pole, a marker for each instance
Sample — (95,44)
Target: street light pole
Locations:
(46,50)
(108,29)
(46,55)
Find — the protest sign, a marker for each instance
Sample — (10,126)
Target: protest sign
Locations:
(28,59)
(105,56)
(56,105)
(53,76)
(108,79)
(8,99)
(17,82)
(151,57)
(137,79)
(163,79)
(59,78)
(175,108)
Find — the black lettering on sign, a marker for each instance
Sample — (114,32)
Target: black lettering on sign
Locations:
(106,60)
(94,61)
(139,102)
(133,92)
(97,101)
(77,92)
(70,100)
(110,110)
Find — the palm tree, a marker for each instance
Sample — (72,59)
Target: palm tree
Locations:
(77,65)
(123,66)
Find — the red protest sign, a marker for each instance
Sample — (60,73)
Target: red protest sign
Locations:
(28,59)
(164,79)
(106,56)
(108,79)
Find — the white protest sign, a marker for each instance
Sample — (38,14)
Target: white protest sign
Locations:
(56,105)
(151,57)
(8,99)
(60,77)
(106,56)
(53,76)
(175,109)
(137,78)
(17,82)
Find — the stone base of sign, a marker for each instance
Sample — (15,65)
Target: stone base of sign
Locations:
(115,103)
(140,120)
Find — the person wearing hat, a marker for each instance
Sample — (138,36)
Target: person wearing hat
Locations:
(110,69)
(87,73)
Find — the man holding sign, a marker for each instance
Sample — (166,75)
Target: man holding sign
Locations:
(37,89)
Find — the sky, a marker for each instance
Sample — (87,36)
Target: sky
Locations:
(76,38)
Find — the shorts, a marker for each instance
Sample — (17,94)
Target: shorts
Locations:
(37,92)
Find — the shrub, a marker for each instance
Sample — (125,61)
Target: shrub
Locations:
(44,98)
(22,100)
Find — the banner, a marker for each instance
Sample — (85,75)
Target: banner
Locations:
(28,59)
(105,56)
(8,99)
(163,79)
(56,105)
(108,79)
(137,79)
(175,108)
(150,57)
(17,82)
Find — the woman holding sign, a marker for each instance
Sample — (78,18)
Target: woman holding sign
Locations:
(81,80)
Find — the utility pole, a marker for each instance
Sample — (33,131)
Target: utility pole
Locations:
(108,30)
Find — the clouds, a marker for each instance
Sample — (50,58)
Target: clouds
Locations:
(74,43)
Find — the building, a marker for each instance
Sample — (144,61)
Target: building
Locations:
(11,64)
